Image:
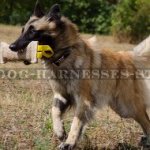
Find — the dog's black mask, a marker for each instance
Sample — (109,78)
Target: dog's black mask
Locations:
(31,33)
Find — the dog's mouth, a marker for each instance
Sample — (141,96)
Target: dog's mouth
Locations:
(21,51)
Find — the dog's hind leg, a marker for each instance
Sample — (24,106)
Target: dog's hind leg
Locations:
(136,111)
(60,104)
(143,119)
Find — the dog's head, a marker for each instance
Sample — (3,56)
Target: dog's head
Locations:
(47,29)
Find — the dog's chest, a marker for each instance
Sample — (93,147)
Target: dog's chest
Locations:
(60,80)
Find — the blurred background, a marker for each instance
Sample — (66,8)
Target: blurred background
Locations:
(127,20)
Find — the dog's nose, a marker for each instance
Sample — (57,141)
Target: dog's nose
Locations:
(12,47)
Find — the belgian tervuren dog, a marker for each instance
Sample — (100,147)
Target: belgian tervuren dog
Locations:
(102,76)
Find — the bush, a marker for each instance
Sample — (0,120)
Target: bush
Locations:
(131,20)
(90,16)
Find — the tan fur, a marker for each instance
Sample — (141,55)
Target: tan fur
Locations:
(143,48)
(93,42)
(142,52)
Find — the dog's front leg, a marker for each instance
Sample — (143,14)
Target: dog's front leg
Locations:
(83,114)
(74,134)
(60,104)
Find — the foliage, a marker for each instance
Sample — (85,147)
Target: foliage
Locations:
(91,16)
(131,20)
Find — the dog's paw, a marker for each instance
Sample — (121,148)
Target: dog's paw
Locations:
(63,137)
(64,146)
(2,62)
(145,142)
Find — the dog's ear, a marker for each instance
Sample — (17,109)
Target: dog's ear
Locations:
(38,11)
(54,13)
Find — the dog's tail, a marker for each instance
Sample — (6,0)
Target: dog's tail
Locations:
(142,53)
(142,56)
(93,42)
(143,48)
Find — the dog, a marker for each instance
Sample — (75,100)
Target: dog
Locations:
(128,97)
(28,54)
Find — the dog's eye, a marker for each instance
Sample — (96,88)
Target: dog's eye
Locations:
(51,19)
(33,31)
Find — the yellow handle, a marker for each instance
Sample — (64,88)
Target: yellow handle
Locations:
(39,55)
(44,50)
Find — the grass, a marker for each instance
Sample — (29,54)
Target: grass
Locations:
(9,33)
(25,112)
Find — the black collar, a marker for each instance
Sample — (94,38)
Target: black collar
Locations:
(60,55)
